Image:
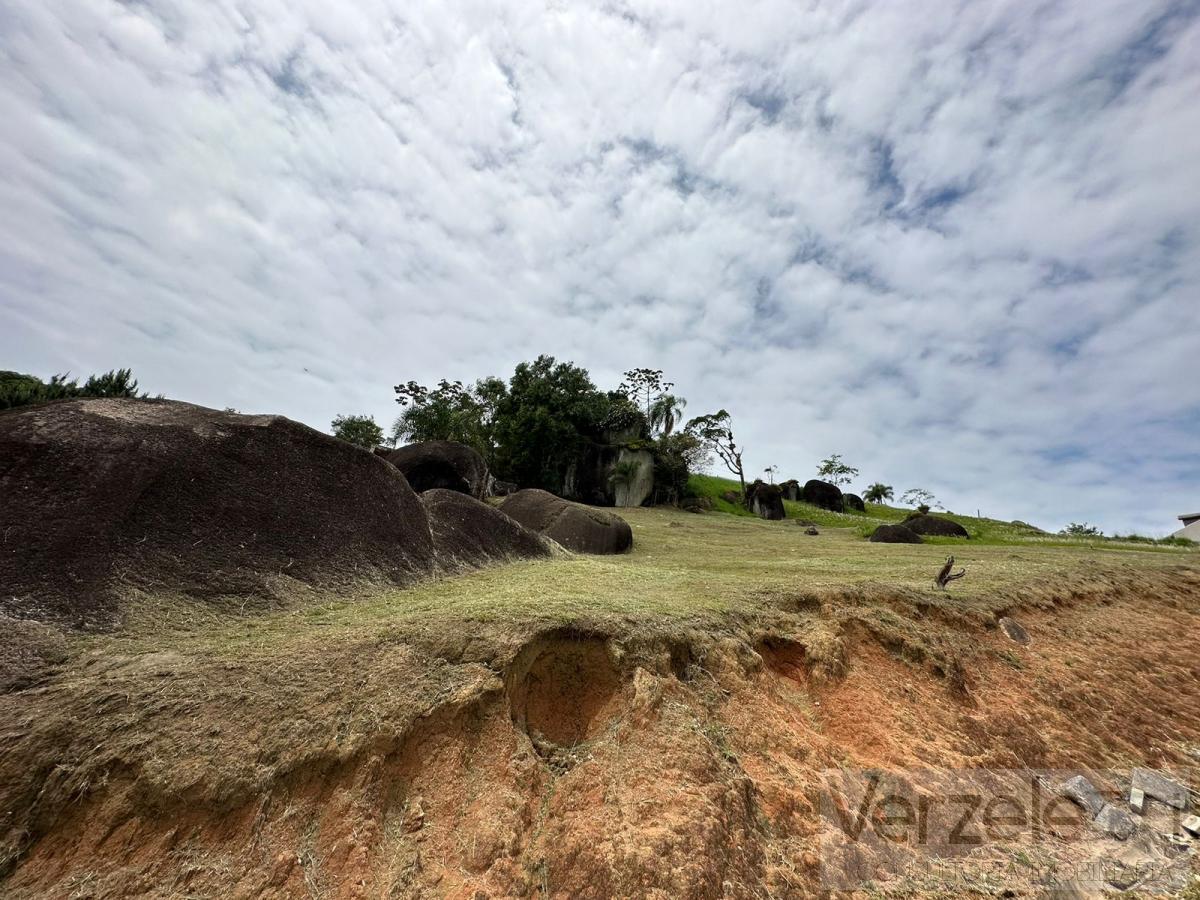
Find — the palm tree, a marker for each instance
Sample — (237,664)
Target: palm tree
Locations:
(665,412)
(878,492)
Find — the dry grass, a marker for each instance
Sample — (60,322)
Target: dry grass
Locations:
(683,566)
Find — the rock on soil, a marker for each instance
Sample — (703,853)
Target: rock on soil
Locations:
(583,529)
(1115,821)
(442,464)
(895,534)
(765,500)
(468,532)
(823,494)
(1082,792)
(855,502)
(1014,630)
(100,495)
(935,526)
(791,489)
(1160,787)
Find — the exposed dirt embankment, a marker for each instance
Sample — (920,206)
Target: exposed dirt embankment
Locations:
(604,758)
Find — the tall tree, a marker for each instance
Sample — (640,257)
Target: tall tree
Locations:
(542,424)
(878,492)
(361,431)
(833,470)
(715,432)
(644,386)
(665,412)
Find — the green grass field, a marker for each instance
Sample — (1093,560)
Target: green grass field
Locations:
(686,566)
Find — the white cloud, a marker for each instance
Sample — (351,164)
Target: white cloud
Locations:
(955,242)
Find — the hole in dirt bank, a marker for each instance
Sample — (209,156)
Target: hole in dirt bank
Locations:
(785,657)
(564,688)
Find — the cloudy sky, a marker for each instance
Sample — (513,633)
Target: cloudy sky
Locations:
(958,243)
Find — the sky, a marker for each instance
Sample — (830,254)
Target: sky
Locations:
(958,243)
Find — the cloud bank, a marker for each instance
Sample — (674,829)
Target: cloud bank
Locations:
(957,242)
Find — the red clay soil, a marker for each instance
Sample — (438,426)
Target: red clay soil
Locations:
(566,764)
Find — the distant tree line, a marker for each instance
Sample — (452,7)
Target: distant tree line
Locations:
(17,389)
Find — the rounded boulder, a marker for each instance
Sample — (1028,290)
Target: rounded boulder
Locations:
(935,526)
(468,533)
(583,529)
(853,501)
(442,464)
(895,534)
(823,494)
(765,500)
(101,496)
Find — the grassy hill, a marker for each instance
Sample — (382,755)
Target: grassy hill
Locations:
(982,530)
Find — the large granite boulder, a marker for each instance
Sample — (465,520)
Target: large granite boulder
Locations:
(823,494)
(765,500)
(102,498)
(791,489)
(935,526)
(853,501)
(442,464)
(583,529)
(895,534)
(467,532)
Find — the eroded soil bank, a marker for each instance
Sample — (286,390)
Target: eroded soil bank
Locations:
(606,758)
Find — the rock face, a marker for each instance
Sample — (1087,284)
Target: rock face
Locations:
(1160,787)
(895,534)
(635,483)
(823,494)
(442,464)
(765,500)
(467,532)
(791,489)
(853,501)
(579,528)
(935,526)
(1115,821)
(1081,791)
(101,495)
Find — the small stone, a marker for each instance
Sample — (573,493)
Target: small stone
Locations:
(812,529)
(1160,787)
(1137,800)
(1015,631)
(1081,791)
(1115,821)
(1191,825)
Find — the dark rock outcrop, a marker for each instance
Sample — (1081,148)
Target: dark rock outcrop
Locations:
(442,464)
(765,500)
(823,494)
(935,526)
(580,528)
(895,534)
(467,532)
(853,501)
(696,504)
(731,496)
(791,489)
(101,496)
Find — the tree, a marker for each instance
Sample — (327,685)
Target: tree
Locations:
(665,413)
(675,457)
(920,498)
(715,432)
(833,470)
(548,415)
(17,389)
(644,386)
(770,471)
(878,492)
(1082,529)
(448,412)
(358,430)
